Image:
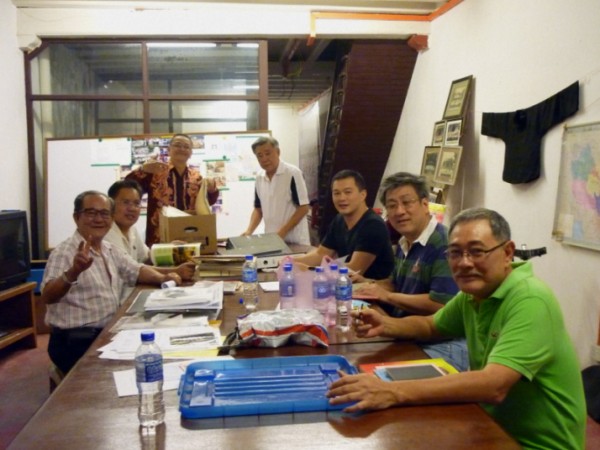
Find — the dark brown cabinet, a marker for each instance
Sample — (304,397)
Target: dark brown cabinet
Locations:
(17,316)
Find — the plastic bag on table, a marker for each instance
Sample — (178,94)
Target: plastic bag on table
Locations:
(277,328)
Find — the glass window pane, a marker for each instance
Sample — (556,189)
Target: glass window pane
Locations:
(203,116)
(92,68)
(88,118)
(203,68)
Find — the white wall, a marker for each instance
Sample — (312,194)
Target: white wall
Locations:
(13,150)
(520,53)
(284,126)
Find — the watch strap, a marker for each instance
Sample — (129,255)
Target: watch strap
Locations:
(66,280)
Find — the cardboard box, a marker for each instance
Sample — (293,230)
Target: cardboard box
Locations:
(201,229)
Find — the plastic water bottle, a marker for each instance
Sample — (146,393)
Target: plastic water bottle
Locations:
(333,276)
(149,379)
(343,299)
(287,288)
(321,292)
(250,283)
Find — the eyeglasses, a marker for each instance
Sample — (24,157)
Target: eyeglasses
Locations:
(131,203)
(180,145)
(474,254)
(91,213)
(406,204)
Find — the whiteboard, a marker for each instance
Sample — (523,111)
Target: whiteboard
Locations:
(71,168)
(76,165)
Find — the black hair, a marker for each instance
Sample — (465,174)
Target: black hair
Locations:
(348,173)
(115,188)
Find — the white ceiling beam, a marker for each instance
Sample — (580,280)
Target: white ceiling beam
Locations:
(244,22)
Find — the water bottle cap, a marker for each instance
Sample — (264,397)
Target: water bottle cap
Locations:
(333,266)
(249,257)
(287,267)
(343,270)
(318,269)
(147,336)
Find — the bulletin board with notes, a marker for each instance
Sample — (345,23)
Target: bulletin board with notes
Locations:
(76,165)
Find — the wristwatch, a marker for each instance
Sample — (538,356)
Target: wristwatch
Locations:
(66,280)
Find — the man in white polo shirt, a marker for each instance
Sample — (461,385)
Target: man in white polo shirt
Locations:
(280,196)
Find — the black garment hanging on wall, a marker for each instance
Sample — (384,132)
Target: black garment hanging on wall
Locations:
(522,132)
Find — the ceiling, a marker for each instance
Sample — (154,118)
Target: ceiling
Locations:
(298,72)
(379,6)
(300,69)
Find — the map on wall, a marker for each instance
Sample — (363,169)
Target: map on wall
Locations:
(577,215)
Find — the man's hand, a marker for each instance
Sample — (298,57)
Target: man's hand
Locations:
(186,270)
(211,185)
(172,276)
(374,291)
(368,391)
(368,323)
(82,260)
(153,166)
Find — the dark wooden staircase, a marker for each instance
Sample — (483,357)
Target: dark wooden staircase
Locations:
(372,79)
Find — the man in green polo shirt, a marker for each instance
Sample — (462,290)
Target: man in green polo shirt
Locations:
(524,370)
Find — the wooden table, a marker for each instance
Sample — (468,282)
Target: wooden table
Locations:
(85,413)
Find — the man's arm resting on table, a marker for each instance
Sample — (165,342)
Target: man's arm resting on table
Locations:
(420,304)
(314,257)
(300,212)
(490,385)
(360,261)
(149,275)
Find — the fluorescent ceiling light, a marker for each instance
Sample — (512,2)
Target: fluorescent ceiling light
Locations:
(247,45)
(183,45)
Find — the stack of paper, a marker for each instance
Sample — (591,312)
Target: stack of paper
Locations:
(141,321)
(219,265)
(178,342)
(204,295)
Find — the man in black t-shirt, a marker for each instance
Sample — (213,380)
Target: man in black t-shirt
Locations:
(357,233)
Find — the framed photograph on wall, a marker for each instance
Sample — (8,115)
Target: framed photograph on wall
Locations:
(447,165)
(439,130)
(453,132)
(457,98)
(430,162)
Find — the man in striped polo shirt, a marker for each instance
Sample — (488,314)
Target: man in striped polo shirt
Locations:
(421,282)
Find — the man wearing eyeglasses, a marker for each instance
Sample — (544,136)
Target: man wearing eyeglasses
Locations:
(127,199)
(421,282)
(84,278)
(171,184)
(524,369)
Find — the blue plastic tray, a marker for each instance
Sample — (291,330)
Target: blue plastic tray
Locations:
(259,386)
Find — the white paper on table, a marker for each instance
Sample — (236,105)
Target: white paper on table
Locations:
(269,286)
(172,372)
(139,321)
(202,295)
(125,343)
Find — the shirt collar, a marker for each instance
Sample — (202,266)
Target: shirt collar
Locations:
(520,270)
(423,237)
(105,245)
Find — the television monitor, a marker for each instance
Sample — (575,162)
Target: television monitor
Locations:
(15,260)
